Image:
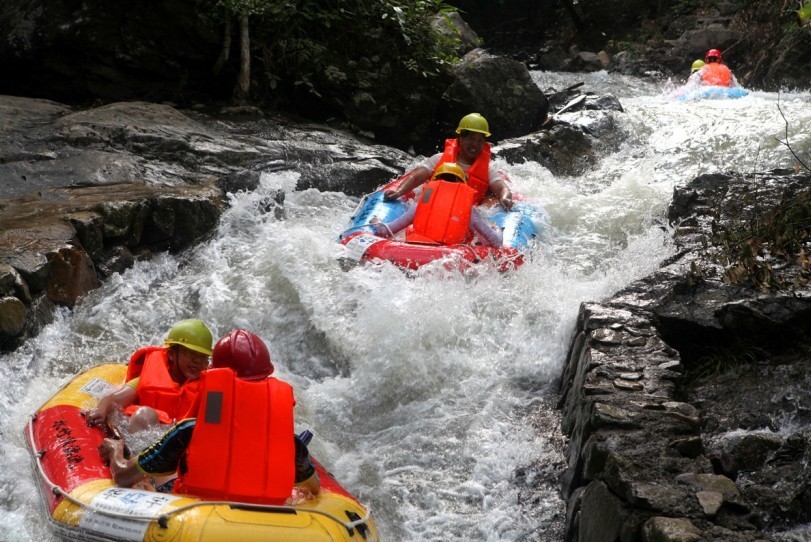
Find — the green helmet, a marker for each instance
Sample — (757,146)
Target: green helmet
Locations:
(474,122)
(697,65)
(192,334)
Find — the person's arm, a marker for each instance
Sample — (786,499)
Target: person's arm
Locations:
(125,471)
(502,190)
(124,396)
(306,475)
(412,180)
(734,83)
(391,229)
(699,76)
(161,458)
(491,236)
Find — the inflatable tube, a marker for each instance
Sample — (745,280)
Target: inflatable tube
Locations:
(522,227)
(713,93)
(82,502)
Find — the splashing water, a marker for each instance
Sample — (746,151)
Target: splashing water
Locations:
(431,398)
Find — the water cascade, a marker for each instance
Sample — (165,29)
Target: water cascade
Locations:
(431,398)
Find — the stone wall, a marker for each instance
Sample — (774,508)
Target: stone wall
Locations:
(657,453)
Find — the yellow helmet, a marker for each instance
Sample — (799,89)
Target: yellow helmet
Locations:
(697,65)
(191,334)
(450,168)
(474,122)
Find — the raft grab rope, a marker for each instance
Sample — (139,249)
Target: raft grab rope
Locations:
(163,519)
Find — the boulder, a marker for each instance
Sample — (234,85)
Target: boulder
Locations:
(499,88)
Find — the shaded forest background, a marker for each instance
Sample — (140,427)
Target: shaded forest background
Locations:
(372,66)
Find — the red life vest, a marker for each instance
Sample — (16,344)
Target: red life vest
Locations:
(242,446)
(478,175)
(443,214)
(156,388)
(716,74)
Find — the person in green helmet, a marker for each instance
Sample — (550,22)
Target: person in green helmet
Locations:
(162,381)
(697,65)
(471,151)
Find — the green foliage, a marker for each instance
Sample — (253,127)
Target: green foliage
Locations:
(253,7)
(781,234)
(305,43)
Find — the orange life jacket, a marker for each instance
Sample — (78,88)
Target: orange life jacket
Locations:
(443,214)
(242,446)
(478,176)
(716,74)
(156,388)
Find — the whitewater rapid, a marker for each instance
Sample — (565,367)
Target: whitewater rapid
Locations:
(432,398)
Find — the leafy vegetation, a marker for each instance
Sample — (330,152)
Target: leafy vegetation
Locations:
(722,360)
(312,44)
(780,235)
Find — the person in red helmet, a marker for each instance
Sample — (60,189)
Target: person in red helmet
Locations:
(715,72)
(237,443)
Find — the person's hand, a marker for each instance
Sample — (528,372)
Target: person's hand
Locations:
(390,195)
(111,448)
(95,417)
(507,202)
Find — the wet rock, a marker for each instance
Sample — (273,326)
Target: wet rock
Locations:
(732,453)
(11,283)
(73,275)
(499,88)
(85,193)
(584,61)
(115,260)
(12,316)
(665,529)
(677,445)
(710,501)
(606,514)
(696,42)
(453,25)
(563,150)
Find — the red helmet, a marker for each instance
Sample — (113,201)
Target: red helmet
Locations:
(245,353)
(713,53)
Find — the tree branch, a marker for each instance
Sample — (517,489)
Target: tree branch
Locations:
(786,142)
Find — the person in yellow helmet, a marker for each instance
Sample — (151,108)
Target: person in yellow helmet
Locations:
(162,381)
(472,152)
(697,65)
(241,373)
(444,214)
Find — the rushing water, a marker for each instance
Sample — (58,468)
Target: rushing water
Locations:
(431,398)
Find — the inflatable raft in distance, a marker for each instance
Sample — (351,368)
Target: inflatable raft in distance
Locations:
(83,503)
(713,93)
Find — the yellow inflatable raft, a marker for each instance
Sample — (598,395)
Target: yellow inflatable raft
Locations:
(83,503)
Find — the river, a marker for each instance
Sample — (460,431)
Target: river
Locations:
(432,399)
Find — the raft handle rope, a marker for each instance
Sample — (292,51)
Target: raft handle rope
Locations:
(361,203)
(361,226)
(163,519)
(356,212)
